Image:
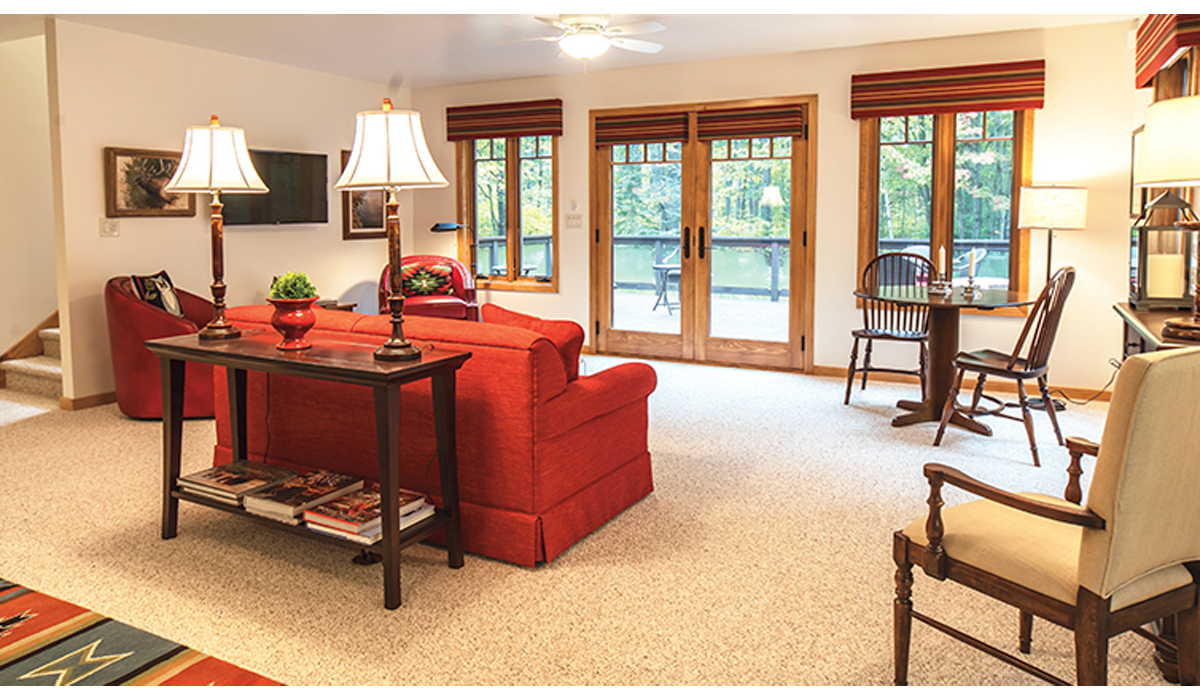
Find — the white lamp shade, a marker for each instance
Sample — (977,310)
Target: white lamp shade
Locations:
(584,45)
(1057,208)
(389,152)
(1170,148)
(771,197)
(215,159)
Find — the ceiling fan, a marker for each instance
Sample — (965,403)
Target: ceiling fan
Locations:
(589,36)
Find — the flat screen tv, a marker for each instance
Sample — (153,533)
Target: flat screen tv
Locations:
(299,191)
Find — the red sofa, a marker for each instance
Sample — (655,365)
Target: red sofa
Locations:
(545,456)
(136,375)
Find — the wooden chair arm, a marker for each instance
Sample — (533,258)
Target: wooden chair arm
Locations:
(1083,446)
(1078,447)
(1073,515)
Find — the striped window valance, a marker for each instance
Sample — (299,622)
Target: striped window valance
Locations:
(978,88)
(503,120)
(745,122)
(1158,38)
(641,128)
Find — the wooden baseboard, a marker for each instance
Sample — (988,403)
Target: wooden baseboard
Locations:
(69,404)
(998,385)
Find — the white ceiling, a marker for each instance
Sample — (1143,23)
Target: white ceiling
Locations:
(425,50)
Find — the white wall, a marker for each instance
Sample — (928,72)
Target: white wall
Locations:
(27,273)
(115,89)
(1081,137)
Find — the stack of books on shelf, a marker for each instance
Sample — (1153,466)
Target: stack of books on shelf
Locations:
(230,483)
(357,516)
(285,501)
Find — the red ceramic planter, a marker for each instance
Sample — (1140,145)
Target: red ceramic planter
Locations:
(293,318)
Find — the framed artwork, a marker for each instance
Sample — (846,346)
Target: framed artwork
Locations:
(362,212)
(134,180)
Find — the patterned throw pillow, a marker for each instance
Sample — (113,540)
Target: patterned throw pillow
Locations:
(157,290)
(426,279)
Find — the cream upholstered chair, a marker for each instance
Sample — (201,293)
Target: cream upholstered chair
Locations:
(1127,558)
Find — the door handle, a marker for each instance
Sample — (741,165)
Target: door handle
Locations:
(700,241)
(687,242)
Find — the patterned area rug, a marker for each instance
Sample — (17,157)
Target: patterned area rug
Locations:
(46,641)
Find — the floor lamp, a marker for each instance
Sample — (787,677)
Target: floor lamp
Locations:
(390,153)
(1051,208)
(1170,158)
(215,160)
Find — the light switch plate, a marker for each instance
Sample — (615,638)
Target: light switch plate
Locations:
(109,228)
(574,221)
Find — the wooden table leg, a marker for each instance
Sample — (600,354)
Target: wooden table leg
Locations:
(387,434)
(444,390)
(236,380)
(939,375)
(173,374)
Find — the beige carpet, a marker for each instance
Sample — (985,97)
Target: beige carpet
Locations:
(762,557)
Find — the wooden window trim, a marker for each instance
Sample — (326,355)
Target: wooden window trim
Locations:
(942,197)
(512,281)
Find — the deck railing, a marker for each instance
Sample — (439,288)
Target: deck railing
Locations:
(634,258)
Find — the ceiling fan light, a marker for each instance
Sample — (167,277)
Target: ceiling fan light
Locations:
(584,46)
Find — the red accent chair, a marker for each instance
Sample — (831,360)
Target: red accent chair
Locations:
(136,373)
(460,303)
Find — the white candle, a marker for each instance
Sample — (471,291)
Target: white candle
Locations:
(971,264)
(942,260)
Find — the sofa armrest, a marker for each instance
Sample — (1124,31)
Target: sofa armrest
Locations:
(596,395)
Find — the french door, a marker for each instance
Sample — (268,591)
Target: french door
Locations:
(701,218)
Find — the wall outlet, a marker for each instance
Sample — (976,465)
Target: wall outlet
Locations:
(574,221)
(109,228)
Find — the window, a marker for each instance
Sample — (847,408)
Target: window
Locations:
(508,166)
(941,165)
(958,204)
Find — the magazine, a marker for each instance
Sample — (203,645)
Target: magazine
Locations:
(287,500)
(359,511)
(229,483)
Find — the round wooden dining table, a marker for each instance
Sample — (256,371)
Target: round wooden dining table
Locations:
(943,344)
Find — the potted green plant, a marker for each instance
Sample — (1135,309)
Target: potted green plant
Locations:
(292,295)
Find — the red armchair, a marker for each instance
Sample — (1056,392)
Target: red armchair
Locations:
(136,374)
(428,291)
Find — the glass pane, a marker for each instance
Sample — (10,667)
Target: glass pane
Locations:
(537,216)
(983,198)
(748,245)
(905,184)
(491,207)
(647,210)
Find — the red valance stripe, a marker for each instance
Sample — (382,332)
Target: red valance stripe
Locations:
(641,128)
(781,120)
(1158,38)
(503,120)
(978,88)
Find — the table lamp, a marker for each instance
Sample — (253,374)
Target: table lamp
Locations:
(1053,208)
(390,153)
(215,160)
(1170,158)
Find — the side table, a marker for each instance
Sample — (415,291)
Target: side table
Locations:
(334,361)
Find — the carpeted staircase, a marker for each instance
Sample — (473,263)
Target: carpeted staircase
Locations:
(39,374)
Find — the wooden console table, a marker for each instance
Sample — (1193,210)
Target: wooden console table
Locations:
(334,361)
(1143,330)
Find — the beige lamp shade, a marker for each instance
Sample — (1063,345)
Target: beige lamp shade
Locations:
(1054,208)
(1170,148)
(389,152)
(215,159)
